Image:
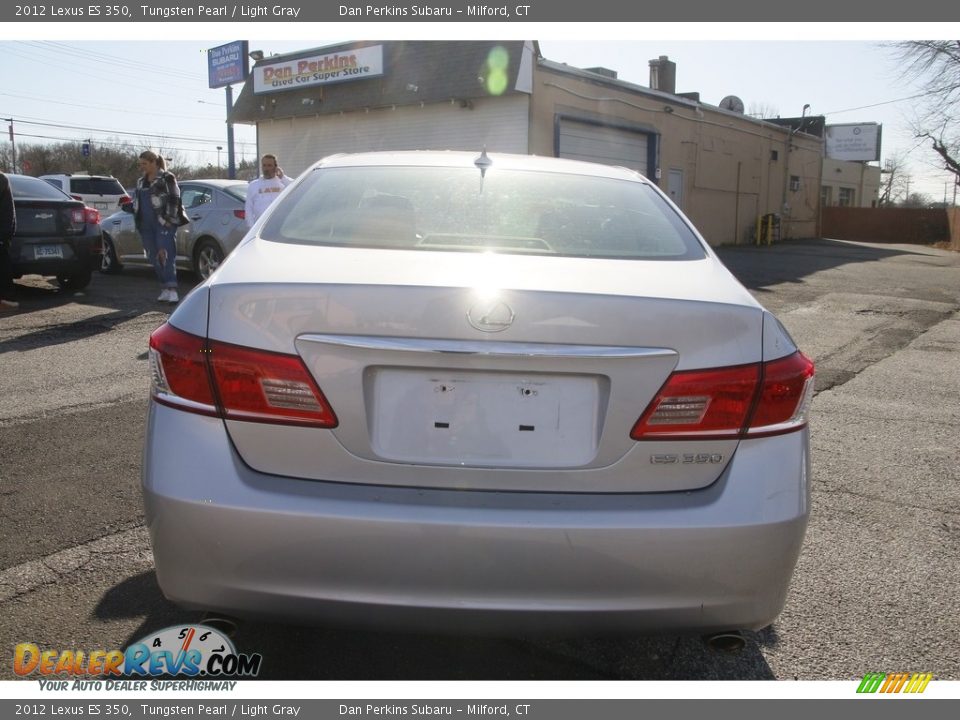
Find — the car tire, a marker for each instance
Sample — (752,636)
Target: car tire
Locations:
(206,258)
(75,281)
(109,264)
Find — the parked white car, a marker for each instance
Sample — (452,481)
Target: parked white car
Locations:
(103,192)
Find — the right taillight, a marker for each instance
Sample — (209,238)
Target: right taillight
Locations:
(233,382)
(261,386)
(720,403)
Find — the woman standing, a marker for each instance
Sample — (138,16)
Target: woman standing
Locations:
(158,212)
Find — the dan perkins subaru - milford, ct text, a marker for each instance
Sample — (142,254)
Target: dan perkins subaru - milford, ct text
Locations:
(388,11)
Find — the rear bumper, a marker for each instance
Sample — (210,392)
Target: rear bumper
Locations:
(229,539)
(80,253)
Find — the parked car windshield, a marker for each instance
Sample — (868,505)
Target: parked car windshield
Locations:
(23,186)
(458,209)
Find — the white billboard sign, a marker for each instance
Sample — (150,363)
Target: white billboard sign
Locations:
(859,142)
(342,66)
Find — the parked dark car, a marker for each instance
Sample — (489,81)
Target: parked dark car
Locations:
(56,235)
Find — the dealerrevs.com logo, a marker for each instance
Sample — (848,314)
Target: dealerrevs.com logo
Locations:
(191,651)
(894,683)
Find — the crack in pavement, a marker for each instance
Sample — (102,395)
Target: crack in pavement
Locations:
(129,547)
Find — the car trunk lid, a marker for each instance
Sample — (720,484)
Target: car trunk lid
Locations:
(523,373)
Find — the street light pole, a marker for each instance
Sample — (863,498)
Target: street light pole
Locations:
(231,161)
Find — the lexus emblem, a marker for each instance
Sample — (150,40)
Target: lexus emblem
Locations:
(490,316)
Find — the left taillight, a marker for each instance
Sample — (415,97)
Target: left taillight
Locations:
(233,382)
(178,369)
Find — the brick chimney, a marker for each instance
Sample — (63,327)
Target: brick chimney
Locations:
(663,75)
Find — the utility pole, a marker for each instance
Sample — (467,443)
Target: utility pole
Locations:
(13,145)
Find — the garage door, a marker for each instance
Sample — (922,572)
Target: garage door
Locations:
(606,145)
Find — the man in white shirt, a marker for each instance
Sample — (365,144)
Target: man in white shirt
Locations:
(264,190)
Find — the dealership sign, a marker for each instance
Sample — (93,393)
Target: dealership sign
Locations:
(854,141)
(342,66)
(227,64)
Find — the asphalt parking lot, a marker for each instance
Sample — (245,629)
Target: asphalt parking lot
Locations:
(876,589)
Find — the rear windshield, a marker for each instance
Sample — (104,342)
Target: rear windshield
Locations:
(24,187)
(506,211)
(96,186)
(238,191)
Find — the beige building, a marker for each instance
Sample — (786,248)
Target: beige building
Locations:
(722,168)
(849,184)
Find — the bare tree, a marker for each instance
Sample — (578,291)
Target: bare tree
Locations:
(894,180)
(935,65)
(763,110)
(917,200)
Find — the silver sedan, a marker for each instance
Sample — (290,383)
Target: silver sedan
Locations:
(216,227)
(442,387)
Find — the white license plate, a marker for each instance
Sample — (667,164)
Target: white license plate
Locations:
(43,252)
(101,205)
(485,419)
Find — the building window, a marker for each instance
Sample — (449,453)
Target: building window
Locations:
(774,155)
(846,197)
(795,182)
(826,196)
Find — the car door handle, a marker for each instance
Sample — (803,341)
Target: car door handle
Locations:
(114,222)
(196,217)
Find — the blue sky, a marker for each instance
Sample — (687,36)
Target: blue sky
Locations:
(100,88)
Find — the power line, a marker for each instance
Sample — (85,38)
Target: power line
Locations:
(113,108)
(18,52)
(105,58)
(122,145)
(890,102)
(118,132)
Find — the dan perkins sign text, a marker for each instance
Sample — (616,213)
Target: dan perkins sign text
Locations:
(319,69)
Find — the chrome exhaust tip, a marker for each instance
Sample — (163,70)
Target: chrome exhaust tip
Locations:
(729,641)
